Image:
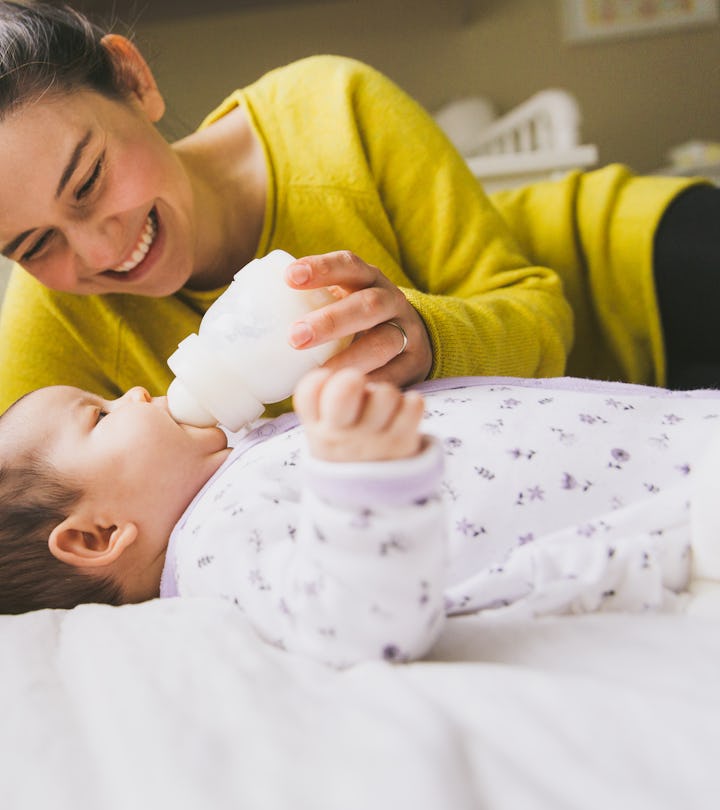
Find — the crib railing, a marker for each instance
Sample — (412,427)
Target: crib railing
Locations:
(548,120)
(539,138)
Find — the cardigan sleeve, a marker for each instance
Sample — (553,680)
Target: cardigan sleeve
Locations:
(487,308)
(41,343)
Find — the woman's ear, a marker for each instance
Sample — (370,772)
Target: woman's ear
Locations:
(89,545)
(134,74)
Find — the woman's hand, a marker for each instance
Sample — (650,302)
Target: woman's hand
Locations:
(391,343)
(348,418)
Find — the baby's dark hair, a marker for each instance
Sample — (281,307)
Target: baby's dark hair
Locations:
(51,48)
(33,501)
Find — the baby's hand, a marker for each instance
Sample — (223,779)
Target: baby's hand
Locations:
(348,418)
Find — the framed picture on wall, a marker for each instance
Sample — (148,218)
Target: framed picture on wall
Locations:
(592,20)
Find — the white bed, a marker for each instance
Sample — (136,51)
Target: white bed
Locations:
(176,704)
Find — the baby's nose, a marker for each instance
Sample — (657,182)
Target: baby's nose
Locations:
(138,394)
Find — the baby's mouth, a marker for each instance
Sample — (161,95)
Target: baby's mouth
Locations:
(147,237)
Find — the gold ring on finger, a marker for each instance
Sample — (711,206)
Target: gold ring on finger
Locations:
(402,332)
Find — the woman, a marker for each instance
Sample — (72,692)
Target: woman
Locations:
(125,240)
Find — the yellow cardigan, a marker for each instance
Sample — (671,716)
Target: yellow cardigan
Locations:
(354,163)
(596,229)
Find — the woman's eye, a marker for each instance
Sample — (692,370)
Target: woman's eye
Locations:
(101,414)
(37,247)
(88,185)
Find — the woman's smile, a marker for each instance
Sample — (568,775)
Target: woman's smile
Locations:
(140,251)
(143,254)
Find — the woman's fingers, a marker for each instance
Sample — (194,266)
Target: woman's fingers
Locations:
(326,269)
(369,353)
(378,354)
(367,301)
(354,312)
(365,297)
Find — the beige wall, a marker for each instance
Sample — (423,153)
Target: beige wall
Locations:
(639,96)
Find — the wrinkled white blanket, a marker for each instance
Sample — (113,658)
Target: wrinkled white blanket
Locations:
(177,704)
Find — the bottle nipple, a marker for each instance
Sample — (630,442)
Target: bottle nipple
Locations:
(185,408)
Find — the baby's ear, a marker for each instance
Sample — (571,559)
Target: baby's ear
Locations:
(89,545)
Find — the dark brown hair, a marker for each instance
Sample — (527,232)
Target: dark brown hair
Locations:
(32,502)
(51,48)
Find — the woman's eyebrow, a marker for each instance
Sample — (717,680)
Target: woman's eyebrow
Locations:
(72,164)
(13,244)
(70,167)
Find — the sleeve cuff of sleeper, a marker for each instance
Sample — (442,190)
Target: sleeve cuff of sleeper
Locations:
(380,483)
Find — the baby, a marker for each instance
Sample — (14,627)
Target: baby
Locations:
(519,496)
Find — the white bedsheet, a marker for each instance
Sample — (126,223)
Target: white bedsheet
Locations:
(176,704)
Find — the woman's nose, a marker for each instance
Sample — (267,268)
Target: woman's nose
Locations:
(97,243)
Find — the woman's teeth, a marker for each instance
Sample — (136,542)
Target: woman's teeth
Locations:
(142,247)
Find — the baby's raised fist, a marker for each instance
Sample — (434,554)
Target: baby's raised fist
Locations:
(348,418)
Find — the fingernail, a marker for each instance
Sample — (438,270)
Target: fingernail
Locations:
(299,273)
(300,334)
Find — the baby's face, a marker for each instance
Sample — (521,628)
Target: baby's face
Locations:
(127,456)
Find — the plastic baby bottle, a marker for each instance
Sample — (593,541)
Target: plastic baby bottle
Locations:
(240,358)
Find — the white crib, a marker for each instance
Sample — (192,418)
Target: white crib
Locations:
(539,138)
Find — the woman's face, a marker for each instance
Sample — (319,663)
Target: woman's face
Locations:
(92,197)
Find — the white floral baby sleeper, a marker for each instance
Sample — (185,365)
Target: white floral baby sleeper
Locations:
(532,497)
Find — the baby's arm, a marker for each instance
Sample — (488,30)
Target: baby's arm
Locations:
(339,560)
(362,575)
(348,418)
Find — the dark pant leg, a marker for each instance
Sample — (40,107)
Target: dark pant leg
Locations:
(686,264)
